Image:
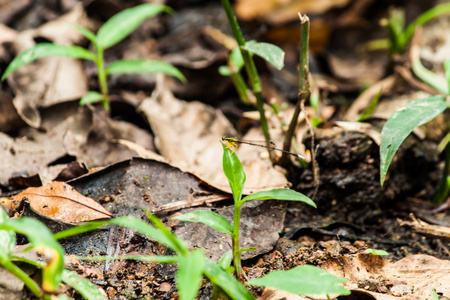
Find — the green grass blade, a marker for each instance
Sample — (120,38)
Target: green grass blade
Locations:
(209,218)
(136,66)
(234,172)
(271,53)
(125,22)
(280,194)
(45,50)
(189,274)
(401,124)
(303,280)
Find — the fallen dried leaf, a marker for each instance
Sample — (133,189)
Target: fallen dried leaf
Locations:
(63,203)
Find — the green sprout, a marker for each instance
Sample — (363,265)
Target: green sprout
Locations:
(112,32)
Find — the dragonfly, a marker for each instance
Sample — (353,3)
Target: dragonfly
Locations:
(232,143)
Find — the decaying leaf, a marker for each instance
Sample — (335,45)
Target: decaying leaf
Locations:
(63,203)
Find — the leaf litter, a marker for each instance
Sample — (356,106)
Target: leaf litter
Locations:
(48,128)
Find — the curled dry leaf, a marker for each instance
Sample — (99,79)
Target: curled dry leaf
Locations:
(63,203)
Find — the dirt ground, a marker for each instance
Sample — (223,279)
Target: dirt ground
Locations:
(159,148)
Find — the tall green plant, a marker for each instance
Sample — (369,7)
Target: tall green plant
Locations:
(113,31)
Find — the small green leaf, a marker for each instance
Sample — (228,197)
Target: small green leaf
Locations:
(86,32)
(42,240)
(370,108)
(189,274)
(86,288)
(376,252)
(402,123)
(280,194)
(209,218)
(303,280)
(236,59)
(225,71)
(230,285)
(125,22)
(135,66)
(45,50)
(91,97)
(434,295)
(316,122)
(430,78)
(271,53)
(234,172)
(225,260)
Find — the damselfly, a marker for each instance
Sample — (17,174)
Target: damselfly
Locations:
(232,144)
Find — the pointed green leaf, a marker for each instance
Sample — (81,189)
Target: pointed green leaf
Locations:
(209,218)
(234,172)
(402,123)
(91,97)
(189,274)
(86,32)
(136,66)
(225,260)
(45,50)
(271,53)
(228,284)
(280,194)
(125,22)
(303,280)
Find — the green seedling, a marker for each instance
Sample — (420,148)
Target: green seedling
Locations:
(402,123)
(301,280)
(113,31)
(53,272)
(399,36)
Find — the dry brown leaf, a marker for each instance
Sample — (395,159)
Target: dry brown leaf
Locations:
(188,135)
(281,11)
(59,201)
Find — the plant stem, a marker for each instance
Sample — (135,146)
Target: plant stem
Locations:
(249,67)
(444,186)
(236,249)
(16,271)
(303,84)
(100,61)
